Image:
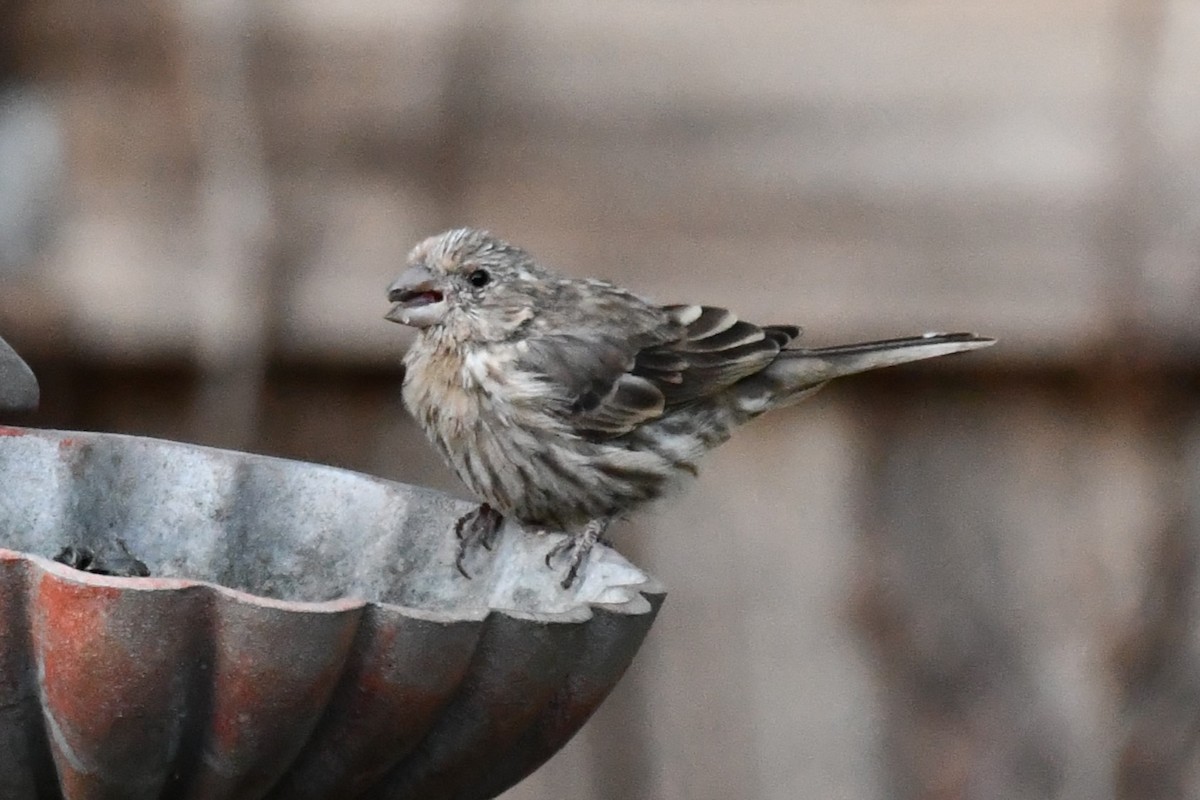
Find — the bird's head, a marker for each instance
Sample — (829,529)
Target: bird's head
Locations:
(468,279)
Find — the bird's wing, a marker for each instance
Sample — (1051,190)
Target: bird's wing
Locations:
(588,363)
(620,370)
(715,351)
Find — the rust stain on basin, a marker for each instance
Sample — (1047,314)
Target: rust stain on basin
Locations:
(305,634)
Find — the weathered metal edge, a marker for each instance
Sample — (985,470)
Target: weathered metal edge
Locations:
(18,385)
(642,595)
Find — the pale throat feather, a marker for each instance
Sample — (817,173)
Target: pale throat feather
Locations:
(470,401)
(437,394)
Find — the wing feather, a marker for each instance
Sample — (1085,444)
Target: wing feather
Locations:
(715,351)
(623,369)
(783,334)
(712,320)
(737,334)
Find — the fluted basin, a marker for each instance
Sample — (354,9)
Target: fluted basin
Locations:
(303,634)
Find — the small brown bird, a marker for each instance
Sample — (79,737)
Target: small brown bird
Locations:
(565,403)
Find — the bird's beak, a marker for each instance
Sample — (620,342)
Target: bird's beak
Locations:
(419,298)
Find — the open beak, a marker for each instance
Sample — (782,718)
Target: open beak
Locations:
(419,298)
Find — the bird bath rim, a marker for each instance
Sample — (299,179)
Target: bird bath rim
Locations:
(627,596)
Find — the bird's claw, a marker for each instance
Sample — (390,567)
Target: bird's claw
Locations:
(477,527)
(579,546)
(573,570)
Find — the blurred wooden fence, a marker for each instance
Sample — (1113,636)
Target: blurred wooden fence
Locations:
(967,579)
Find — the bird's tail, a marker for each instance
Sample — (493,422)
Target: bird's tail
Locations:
(825,363)
(799,372)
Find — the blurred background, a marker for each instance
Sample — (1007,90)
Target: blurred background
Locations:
(970,578)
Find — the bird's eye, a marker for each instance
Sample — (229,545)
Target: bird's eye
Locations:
(479,277)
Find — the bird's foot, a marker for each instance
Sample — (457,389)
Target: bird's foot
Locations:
(477,527)
(578,545)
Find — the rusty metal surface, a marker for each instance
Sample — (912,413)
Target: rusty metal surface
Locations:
(18,386)
(304,633)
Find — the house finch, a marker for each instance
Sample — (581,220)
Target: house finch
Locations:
(565,403)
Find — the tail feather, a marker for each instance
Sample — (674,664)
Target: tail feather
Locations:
(848,359)
(797,373)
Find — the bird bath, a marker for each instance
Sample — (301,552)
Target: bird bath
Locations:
(303,634)
(18,386)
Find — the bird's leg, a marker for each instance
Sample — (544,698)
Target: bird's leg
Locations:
(477,527)
(578,545)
